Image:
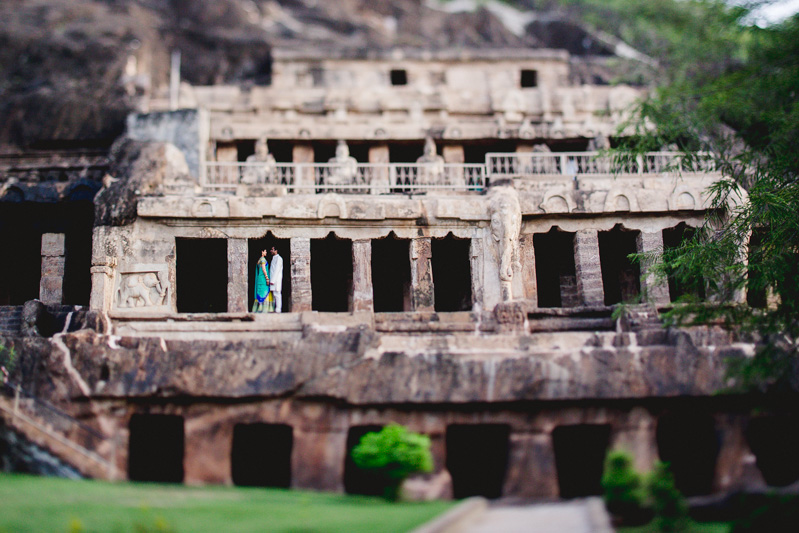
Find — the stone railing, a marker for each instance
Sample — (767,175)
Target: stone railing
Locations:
(357,178)
(594,163)
(384,178)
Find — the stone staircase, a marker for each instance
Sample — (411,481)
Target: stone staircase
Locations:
(52,433)
(10,319)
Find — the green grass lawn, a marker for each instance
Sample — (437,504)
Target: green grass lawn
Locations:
(38,504)
(694,527)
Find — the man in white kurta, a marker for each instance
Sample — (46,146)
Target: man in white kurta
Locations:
(276,279)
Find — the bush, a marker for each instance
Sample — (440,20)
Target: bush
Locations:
(393,453)
(671,511)
(623,489)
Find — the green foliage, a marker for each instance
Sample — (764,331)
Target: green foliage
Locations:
(671,511)
(623,489)
(394,453)
(728,89)
(8,358)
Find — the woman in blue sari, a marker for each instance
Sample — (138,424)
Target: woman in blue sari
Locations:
(261,284)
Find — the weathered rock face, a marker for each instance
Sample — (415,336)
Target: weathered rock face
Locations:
(17,454)
(352,366)
(139,168)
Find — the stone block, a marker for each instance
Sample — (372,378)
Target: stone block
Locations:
(362,294)
(422,289)
(300,274)
(237,294)
(51,290)
(588,268)
(53,244)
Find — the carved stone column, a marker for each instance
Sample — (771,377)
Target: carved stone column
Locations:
(422,295)
(300,274)
(51,286)
(637,435)
(303,153)
(531,467)
(362,294)
(590,289)
(317,461)
(657,291)
(102,271)
(381,181)
(476,254)
(527,259)
(237,297)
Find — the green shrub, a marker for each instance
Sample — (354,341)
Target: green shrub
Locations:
(671,511)
(623,488)
(393,453)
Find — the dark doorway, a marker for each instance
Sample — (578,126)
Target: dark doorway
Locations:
(452,274)
(580,457)
(475,151)
(391,274)
(201,275)
(674,238)
(155,448)
(21,227)
(689,443)
(261,455)
(244,149)
(556,281)
(356,480)
(331,274)
(281,150)
(254,247)
(477,458)
(775,440)
(620,276)
(405,152)
(399,77)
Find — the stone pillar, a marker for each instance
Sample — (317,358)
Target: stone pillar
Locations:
(588,269)
(453,153)
(317,460)
(381,181)
(656,291)
(531,467)
(51,286)
(362,294)
(736,466)
(303,153)
(422,295)
(102,270)
(527,258)
(300,274)
(237,293)
(207,456)
(637,436)
(476,253)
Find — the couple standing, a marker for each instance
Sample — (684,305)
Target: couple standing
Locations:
(268,283)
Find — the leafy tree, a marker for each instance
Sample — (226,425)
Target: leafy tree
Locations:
(394,453)
(728,89)
(622,485)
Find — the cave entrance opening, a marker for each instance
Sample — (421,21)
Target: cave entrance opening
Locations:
(201,275)
(674,238)
(261,455)
(477,458)
(254,248)
(580,457)
(688,441)
(331,274)
(556,281)
(357,480)
(621,277)
(391,274)
(156,448)
(452,274)
(774,440)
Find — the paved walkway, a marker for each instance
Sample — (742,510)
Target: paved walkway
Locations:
(578,516)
